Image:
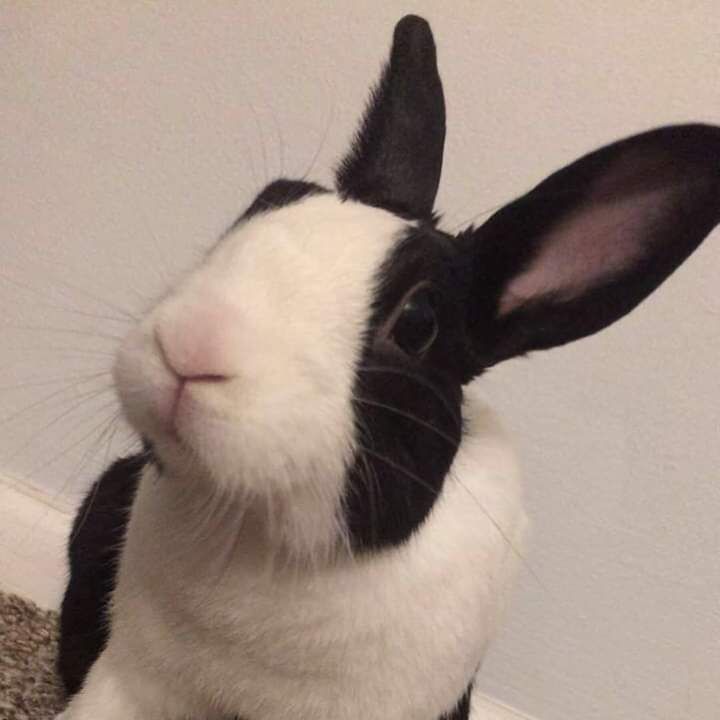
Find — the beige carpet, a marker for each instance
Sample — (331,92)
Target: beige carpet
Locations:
(29,689)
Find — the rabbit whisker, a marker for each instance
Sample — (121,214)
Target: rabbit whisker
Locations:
(323,140)
(39,403)
(81,380)
(109,432)
(69,331)
(400,468)
(408,416)
(418,379)
(505,537)
(122,316)
(71,447)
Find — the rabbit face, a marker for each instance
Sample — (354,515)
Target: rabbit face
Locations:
(246,373)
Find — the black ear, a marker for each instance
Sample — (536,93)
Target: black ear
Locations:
(396,157)
(589,243)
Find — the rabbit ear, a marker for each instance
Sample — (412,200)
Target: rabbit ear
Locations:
(591,242)
(396,157)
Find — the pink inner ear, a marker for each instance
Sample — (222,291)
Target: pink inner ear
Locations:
(587,248)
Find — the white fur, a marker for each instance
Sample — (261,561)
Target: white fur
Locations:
(211,628)
(292,289)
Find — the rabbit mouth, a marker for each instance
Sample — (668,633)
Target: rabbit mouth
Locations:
(176,406)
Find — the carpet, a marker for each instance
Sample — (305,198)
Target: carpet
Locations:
(29,687)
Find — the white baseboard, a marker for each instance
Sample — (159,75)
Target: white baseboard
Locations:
(33,537)
(486,708)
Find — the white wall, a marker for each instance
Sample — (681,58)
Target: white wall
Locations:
(133,133)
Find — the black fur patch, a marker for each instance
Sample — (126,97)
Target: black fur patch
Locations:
(408,410)
(93,552)
(462,709)
(279,193)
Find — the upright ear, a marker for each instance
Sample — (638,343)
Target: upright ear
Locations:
(589,243)
(396,157)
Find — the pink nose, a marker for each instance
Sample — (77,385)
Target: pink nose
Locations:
(201,342)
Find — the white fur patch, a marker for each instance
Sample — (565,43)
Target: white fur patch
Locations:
(214,627)
(290,292)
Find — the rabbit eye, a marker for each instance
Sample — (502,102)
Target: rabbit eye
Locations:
(416,326)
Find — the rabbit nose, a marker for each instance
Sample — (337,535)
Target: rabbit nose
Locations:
(200,343)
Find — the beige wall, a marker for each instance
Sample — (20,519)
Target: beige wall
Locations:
(132,134)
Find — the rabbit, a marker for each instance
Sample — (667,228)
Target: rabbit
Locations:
(326,521)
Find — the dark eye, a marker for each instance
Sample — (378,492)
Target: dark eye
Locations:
(416,327)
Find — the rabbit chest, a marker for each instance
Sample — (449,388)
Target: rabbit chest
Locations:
(398,633)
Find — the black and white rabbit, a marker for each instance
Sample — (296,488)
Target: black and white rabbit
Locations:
(326,521)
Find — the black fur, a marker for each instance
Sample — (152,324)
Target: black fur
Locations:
(279,193)
(408,409)
(93,552)
(396,159)
(462,710)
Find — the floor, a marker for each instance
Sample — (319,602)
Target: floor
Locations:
(29,687)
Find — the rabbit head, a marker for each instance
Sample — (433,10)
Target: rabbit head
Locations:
(315,360)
